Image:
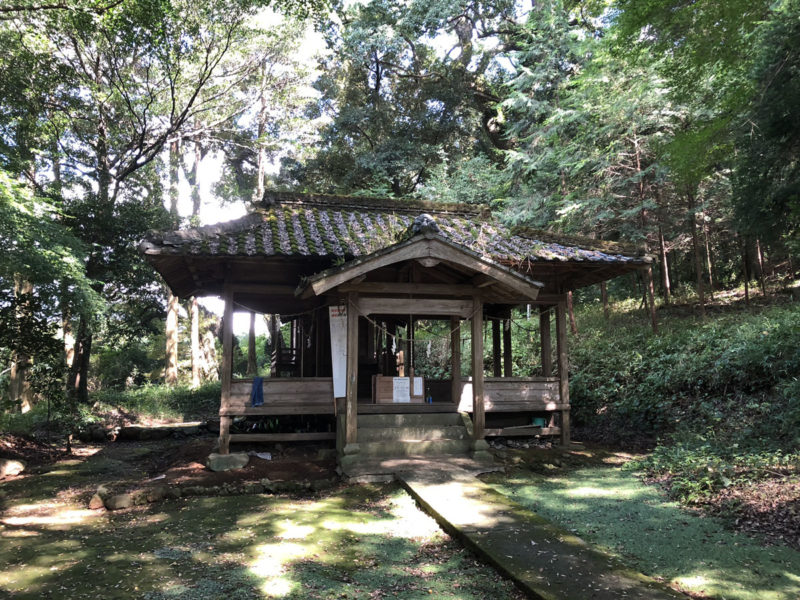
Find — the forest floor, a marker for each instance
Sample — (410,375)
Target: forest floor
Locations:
(347,541)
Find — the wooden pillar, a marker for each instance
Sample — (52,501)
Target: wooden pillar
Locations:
(455,360)
(508,366)
(563,368)
(544,334)
(227,368)
(478,416)
(496,352)
(651,299)
(351,406)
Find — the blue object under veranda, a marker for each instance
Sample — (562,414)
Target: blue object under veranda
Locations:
(257,393)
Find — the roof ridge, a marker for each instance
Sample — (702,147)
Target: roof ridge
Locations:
(410,205)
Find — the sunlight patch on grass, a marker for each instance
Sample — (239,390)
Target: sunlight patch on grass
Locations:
(293,531)
(610,507)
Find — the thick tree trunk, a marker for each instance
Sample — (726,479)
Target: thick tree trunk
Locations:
(252,367)
(171,366)
(20,392)
(665,283)
(77,382)
(698,261)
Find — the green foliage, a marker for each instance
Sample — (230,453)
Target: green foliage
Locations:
(398,104)
(723,395)
(161,402)
(768,171)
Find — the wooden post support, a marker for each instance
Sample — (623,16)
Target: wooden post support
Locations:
(563,368)
(227,368)
(455,360)
(351,407)
(478,416)
(651,299)
(497,356)
(508,366)
(544,334)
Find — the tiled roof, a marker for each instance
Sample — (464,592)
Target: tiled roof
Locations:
(346,227)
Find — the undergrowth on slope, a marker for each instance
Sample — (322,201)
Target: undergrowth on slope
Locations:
(721,396)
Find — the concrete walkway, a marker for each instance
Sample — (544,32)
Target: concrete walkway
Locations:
(546,561)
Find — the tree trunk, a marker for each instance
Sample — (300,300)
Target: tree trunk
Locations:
(760,258)
(174,178)
(171,367)
(746,272)
(572,324)
(698,261)
(261,164)
(651,299)
(604,299)
(665,283)
(195,340)
(709,265)
(252,367)
(19,385)
(77,383)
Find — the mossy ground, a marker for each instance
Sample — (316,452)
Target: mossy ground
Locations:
(592,494)
(354,542)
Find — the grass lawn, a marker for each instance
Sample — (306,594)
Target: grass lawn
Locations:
(355,542)
(610,507)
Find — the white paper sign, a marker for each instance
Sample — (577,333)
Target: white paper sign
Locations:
(338,318)
(401,390)
(417,386)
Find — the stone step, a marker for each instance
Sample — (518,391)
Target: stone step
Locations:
(429,433)
(399,448)
(409,420)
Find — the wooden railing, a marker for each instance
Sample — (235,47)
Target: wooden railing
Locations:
(514,394)
(282,396)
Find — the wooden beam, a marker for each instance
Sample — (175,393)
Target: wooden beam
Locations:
(455,359)
(544,335)
(478,416)
(351,407)
(429,248)
(417,306)
(262,288)
(405,289)
(563,368)
(227,368)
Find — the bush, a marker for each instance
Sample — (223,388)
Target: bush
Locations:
(162,402)
(692,371)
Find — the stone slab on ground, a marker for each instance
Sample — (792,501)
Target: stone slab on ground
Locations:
(376,469)
(10,467)
(159,432)
(546,561)
(227,462)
